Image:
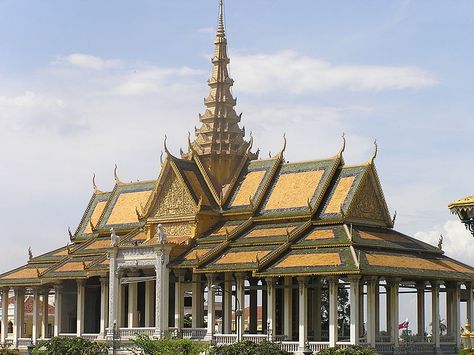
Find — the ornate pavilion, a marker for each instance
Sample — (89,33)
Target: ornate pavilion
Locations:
(221,225)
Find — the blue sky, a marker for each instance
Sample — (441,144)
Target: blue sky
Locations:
(87,84)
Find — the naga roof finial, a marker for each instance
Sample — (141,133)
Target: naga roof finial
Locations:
(343,148)
(71,236)
(30,253)
(94,185)
(116,178)
(165,146)
(374,155)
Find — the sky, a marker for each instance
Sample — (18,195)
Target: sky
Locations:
(85,85)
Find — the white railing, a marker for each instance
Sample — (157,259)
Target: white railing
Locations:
(383,339)
(255,338)
(384,347)
(290,346)
(318,345)
(91,337)
(447,339)
(67,335)
(24,342)
(225,339)
(127,333)
(194,333)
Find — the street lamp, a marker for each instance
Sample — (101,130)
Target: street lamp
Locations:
(464,209)
(238,313)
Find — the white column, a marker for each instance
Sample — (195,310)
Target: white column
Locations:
(333,293)
(435,314)
(457,315)
(253,314)
(287,309)
(18,315)
(394,311)
(148,303)
(227,300)
(132,305)
(81,296)
(45,314)
(271,304)
(104,303)
(241,298)
(210,306)
(197,301)
(5,293)
(388,306)
(179,300)
(354,307)
(34,325)
(57,309)
(420,308)
(162,290)
(114,293)
(371,312)
(303,313)
(469,301)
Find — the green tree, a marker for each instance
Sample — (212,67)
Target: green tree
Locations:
(69,346)
(144,345)
(248,348)
(343,308)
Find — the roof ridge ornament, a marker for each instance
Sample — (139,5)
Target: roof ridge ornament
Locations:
(30,253)
(343,148)
(94,185)
(374,154)
(71,236)
(394,218)
(116,178)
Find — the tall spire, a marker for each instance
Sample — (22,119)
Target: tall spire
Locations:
(220,141)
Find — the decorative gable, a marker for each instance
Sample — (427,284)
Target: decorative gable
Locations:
(173,199)
(368,204)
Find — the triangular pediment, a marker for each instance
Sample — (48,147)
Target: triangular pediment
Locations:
(172,198)
(368,204)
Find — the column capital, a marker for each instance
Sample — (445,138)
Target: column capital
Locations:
(240,275)
(104,281)
(452,284)
(19,290)
(5,289)
(302,280)
(469,284)
(420,285)
(211,278)
(270,280)
(354,278)
(81,282)
(179,273)
(393,282)
(371,279)
(333,279)
(436,284)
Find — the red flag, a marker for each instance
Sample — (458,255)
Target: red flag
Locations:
(404,324)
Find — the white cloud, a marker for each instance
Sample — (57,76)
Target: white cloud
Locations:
(87,61)
(292,72)
(458,243)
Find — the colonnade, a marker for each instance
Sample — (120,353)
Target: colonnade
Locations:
(280,298)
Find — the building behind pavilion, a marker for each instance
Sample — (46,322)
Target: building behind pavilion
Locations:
(265,235)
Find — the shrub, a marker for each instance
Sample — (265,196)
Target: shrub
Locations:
(146,345)
(351,350)
(69,346)
(5,350)
(248,348)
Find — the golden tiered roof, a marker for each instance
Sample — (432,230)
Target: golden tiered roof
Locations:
(225,210)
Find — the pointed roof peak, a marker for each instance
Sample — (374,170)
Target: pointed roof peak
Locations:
(220,23)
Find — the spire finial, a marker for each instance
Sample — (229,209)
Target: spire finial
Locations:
(220,23)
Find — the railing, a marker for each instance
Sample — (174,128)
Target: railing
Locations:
(24,342)
(447,339)
(127,333)
(255,338)
(225,339)
(383,339)
(67,335)
(194,333)
(90,337)
(318,345)
(290,346)
(384,347)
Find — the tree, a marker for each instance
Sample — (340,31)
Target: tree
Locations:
(343,309)
(70,346)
